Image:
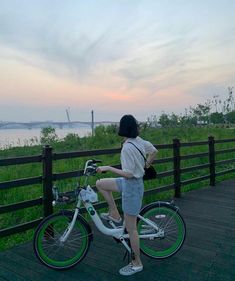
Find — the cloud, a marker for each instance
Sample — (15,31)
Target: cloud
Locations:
(75,49)
(136,50)
(160,64)
(54,43)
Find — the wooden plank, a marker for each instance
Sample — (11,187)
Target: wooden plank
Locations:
(20,182)
(20,205)
(225,140)
(19,228)
(191,156)
(88,269)
(221,151)
(163,146)
(211,196)
(222,162)
(165,174)
(73,174)
(6,275)
(159,189)
(95,152)
(223,267)
(173,269)
(20,160)
(195,143)
(185,182)
(164,160)
(29,269)
(66,175)
(217,276)
(73,154)
(222,173)
(208,253)
(194,168)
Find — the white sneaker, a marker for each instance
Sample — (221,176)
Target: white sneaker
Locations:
(107,217)
(130,269)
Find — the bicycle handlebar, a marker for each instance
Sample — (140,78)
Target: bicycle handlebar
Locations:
(68,197)
(96,161)
(90,166)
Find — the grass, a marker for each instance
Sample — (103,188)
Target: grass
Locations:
(104,138)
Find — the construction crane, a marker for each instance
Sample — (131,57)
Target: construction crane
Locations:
(68,115)
(92,123)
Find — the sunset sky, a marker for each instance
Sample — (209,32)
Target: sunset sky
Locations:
(113,56)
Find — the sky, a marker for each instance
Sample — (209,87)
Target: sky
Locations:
(140,57)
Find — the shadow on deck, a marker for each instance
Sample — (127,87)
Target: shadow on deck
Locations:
(207,255)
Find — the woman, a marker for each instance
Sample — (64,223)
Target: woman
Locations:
(130,184)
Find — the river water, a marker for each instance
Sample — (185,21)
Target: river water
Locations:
(22,137)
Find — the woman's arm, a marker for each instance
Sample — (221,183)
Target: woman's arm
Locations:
(119,172)
(151,158)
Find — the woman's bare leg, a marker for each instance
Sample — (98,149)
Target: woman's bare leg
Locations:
(106,187)
(130,222)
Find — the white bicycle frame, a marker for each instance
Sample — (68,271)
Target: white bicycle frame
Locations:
(115,231)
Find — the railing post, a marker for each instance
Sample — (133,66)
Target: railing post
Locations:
(211,143)
(177,176)
(47,180)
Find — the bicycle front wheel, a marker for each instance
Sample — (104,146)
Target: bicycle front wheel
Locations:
(50,249)
(170,224)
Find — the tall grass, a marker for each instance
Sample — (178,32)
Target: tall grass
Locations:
(105,137)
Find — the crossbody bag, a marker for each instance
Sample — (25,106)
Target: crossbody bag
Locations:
(150,172)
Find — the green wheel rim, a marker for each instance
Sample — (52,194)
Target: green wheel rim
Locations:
(70,261)
(180,238)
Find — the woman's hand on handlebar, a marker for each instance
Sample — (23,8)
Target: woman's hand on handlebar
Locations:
(119,172)
(103,169)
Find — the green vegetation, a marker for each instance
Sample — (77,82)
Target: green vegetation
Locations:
(105,137)
(213,111)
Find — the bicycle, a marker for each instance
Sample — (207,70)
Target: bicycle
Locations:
(62,239)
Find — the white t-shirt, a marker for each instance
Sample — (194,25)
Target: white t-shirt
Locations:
(131,159)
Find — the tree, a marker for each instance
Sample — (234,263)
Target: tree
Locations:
(229,104)
(188,120)
(201,112)
(48,136)
(174,119)
(152,121)
(164,120)
(217,118)
(230,117)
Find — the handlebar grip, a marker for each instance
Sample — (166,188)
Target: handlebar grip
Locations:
(94,161)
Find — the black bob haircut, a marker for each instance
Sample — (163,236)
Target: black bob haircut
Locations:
(128,127)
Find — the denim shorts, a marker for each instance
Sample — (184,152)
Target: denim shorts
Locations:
(132,194)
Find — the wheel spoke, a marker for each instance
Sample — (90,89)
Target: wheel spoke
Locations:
(54,253)
(171,223)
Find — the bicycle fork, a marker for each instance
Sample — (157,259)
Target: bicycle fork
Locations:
(65,235)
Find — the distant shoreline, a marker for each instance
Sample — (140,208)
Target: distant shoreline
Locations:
(16,137)
(53,124)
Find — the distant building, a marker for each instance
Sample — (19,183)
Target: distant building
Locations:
(202,122)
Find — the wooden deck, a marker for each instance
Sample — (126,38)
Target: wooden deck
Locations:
(207,255)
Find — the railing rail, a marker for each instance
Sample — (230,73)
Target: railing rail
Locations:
(46,179)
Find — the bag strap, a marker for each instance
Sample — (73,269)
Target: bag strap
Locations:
(139,151)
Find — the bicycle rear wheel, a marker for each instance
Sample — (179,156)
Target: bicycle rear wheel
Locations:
(172,225)
(56,254)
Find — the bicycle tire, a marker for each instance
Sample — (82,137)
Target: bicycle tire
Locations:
(168,218)
(51,251)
